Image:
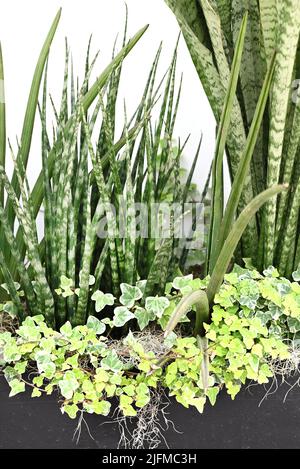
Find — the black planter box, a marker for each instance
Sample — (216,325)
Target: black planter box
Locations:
(27,423)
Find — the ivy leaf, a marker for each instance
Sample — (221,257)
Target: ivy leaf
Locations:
(71,410)
(142,400)
(36,393)
(126,406)
(44,363)
(180,283)
(212,394)
(121,316)
(112,362)
(130,295)
(199,403)
(143,317)
(170,340)
(294,325)
(68,385)
(101,408)
(157,305)
(66,285)
(296,275)
(16,387)
(10,309)
(66,329)
(271,272)
(92,280)
(254,362)
(102,300)
(141,284)
(5,287)
(97,326)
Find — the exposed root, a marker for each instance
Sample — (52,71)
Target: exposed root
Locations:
(284,371)
(151,339)
(146,430)
(78,429)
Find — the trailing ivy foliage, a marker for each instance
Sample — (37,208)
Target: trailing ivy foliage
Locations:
(252,318)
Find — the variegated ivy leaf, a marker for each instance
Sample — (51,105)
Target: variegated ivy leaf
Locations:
(121,316)
(157,305)
(97,326)
(44,363)
(170,340)
(66,285)
(92,280)
(294,325)
(271,272)
(130,295)
(16,387)
(108,322)
(112,362)
(296,275)
(141,284)
(102,300)
(143,317)
(10,309)
(68,385)
(180,283)
(66,329)
(5,287)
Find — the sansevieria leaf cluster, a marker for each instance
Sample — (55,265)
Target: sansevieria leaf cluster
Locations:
(91,177)
(211,30)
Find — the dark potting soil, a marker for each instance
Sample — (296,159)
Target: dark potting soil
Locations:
(27,423)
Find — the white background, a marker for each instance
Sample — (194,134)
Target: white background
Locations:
(24,25)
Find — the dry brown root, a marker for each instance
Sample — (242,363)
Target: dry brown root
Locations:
(147,429)
(8,323)
(151,339)
(151,423)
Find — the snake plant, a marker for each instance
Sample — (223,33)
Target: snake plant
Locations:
(211,31)
(225,230)
(87,170)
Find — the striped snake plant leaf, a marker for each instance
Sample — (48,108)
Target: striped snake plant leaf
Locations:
(287,42)
(81,311)
(48,215)
(288,242)
(234,237)
(269,23)
(24,276)
(214,82)
(130,236)
(12,288)
(2,122)
(44,295)
(237,186)
(253,71)
(225,13)
(38,191)
(111,221)
(30,113)
(217,192)
(290,161)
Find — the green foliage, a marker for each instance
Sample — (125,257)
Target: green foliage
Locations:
(211,29)
(66,275)
(89,371)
